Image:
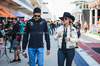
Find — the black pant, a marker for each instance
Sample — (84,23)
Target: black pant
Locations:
(85,29)
(78,35)
(52,29)
(67,54)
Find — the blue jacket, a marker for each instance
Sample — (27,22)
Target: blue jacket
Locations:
(36,29)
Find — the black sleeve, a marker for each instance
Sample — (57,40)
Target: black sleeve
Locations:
(16,29)
(47,38)
(25,37)
(79,26)
(1,35)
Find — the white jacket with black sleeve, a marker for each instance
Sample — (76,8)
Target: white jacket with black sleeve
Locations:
(72,40)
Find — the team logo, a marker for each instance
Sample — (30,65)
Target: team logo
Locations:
(31,23)
(41,23)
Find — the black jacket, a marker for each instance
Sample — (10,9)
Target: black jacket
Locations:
(15,33)
(36,29)
(52,25)
(15,30)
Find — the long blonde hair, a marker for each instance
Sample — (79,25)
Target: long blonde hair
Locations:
(70,23)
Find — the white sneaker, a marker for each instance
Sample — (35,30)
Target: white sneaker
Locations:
(3,46)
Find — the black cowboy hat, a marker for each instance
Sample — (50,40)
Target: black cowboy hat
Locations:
(67,14)
(73,18)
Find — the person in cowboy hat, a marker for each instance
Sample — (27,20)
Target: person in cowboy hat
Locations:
(66,35)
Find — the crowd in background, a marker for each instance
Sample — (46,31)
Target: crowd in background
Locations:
(52,26)
(15,27)
(12,29)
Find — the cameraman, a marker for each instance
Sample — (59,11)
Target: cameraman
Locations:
(8,28)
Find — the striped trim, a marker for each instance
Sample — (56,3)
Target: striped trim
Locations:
(87,58)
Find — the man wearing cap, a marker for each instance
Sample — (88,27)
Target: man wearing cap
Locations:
(36,27)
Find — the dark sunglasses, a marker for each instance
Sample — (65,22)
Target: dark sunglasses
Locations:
(36,15)
(13,21)
(64,18)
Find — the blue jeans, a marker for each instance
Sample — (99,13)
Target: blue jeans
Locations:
(32,54)
(67,54)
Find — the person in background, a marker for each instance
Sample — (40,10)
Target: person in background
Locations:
(3,25)
(78,33)
(85,26)
(21,27)
(52,27)
(48,23)
(79,24)
(15,35)
(76,25)
(9,22)
(59,23)
(56,26)
(21,23)
(66,36)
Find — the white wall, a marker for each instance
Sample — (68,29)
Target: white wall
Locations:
(46,16)
(46,8)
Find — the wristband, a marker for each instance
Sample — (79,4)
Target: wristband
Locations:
(23,50)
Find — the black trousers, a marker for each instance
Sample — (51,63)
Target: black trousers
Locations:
(52,29)
(85,29)
(67,54)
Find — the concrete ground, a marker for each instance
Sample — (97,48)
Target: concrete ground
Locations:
(50,60)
